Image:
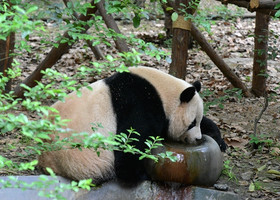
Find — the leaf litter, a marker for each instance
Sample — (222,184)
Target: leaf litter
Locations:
(256,170)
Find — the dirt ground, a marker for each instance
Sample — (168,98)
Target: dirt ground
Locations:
(253,173)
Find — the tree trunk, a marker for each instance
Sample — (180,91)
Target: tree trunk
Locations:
(6,49)
(219,62)
(260,54)
(110,23)
(53,56)
(180,45)
(167,17)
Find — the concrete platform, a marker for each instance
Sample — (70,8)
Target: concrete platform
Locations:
(108,191)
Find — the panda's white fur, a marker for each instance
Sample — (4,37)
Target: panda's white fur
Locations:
(92,106)
(96,107)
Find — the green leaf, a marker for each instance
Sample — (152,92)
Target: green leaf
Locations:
(20,10)
(148,144)
(50,171)
(43,136)
(169,8)
(34,162)
(136,21)
(277,6)
(79,93)
(2,18)
(277,14)
(9,127)
(174,16)
(31,9)
(109,58)
(252,187)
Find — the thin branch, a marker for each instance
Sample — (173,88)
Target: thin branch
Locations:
(257,119)
(53,56)
(95,49)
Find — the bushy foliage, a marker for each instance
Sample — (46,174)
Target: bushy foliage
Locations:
(25,18)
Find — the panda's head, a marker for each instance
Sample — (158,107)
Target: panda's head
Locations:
(184,124)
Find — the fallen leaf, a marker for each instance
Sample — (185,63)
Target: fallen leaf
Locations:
(251,187)
(236,142)
(275,151)
(273,171)
(261,168)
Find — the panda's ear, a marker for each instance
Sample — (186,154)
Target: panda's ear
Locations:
(187,95)
(197,85)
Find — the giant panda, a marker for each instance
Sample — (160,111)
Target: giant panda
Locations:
(148,100)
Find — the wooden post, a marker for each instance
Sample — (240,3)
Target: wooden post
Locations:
(6,49)
(180,43)
(110,23)
(260,54)
(167,17)
(263,6)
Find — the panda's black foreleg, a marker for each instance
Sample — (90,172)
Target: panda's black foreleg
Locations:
(208,127)
(136,105)
(129,169)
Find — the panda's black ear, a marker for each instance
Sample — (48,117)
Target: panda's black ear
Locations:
(197,85)
(187,94)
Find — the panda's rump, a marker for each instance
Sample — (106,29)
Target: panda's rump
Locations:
(92,107)
(78,164)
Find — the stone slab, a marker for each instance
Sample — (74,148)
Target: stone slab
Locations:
(156,191)
(115,191)
(206,194)
(19,191)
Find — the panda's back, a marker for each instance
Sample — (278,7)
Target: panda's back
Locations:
(136,102)
(92,107)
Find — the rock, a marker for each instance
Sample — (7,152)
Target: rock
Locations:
(222,187)
(247,175)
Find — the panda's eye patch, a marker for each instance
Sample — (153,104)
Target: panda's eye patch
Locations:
(192,124)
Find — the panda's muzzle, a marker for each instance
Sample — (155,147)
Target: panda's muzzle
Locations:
(200,141)
(197,141)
